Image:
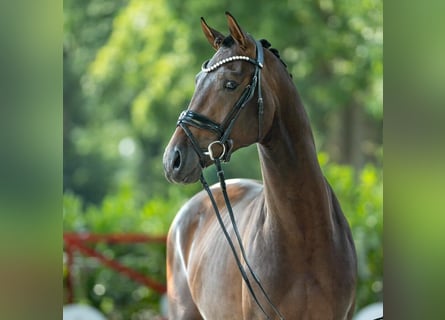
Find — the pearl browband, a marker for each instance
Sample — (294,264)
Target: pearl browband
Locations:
(206,69)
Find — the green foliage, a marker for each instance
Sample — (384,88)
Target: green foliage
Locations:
(361,197)
(129,68)
(112,293)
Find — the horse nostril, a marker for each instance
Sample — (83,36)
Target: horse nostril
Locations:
(177,160)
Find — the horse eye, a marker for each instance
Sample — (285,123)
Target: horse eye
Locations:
(230,85)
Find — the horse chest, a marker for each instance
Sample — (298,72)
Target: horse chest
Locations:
(215,279)
(218,289)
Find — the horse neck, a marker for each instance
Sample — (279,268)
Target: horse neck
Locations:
(294,186)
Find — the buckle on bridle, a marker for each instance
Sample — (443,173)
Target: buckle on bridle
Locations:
(211,152)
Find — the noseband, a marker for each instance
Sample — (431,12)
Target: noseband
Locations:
(223,130)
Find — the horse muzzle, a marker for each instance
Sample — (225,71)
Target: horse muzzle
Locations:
(181,164)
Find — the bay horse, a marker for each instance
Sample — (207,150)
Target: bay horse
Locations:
(292,227)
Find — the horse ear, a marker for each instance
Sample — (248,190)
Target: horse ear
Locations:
(214,37)
(235,30)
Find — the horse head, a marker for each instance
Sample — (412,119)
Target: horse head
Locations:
(226,110)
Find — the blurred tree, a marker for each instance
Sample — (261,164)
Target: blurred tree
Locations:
(129,68)
(138,76)
(130,65)
(88,171)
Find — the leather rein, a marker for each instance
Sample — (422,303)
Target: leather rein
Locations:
(223,130)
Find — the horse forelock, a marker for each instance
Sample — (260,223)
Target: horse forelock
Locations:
(228,41)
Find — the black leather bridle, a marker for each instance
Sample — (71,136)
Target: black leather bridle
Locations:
(222,131)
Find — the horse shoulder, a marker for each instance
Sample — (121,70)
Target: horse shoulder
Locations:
(187,243)
(194,214)
(180,236)
(180,240)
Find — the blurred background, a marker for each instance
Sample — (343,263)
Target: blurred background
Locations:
(128,71)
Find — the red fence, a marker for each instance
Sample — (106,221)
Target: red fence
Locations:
(81,242)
